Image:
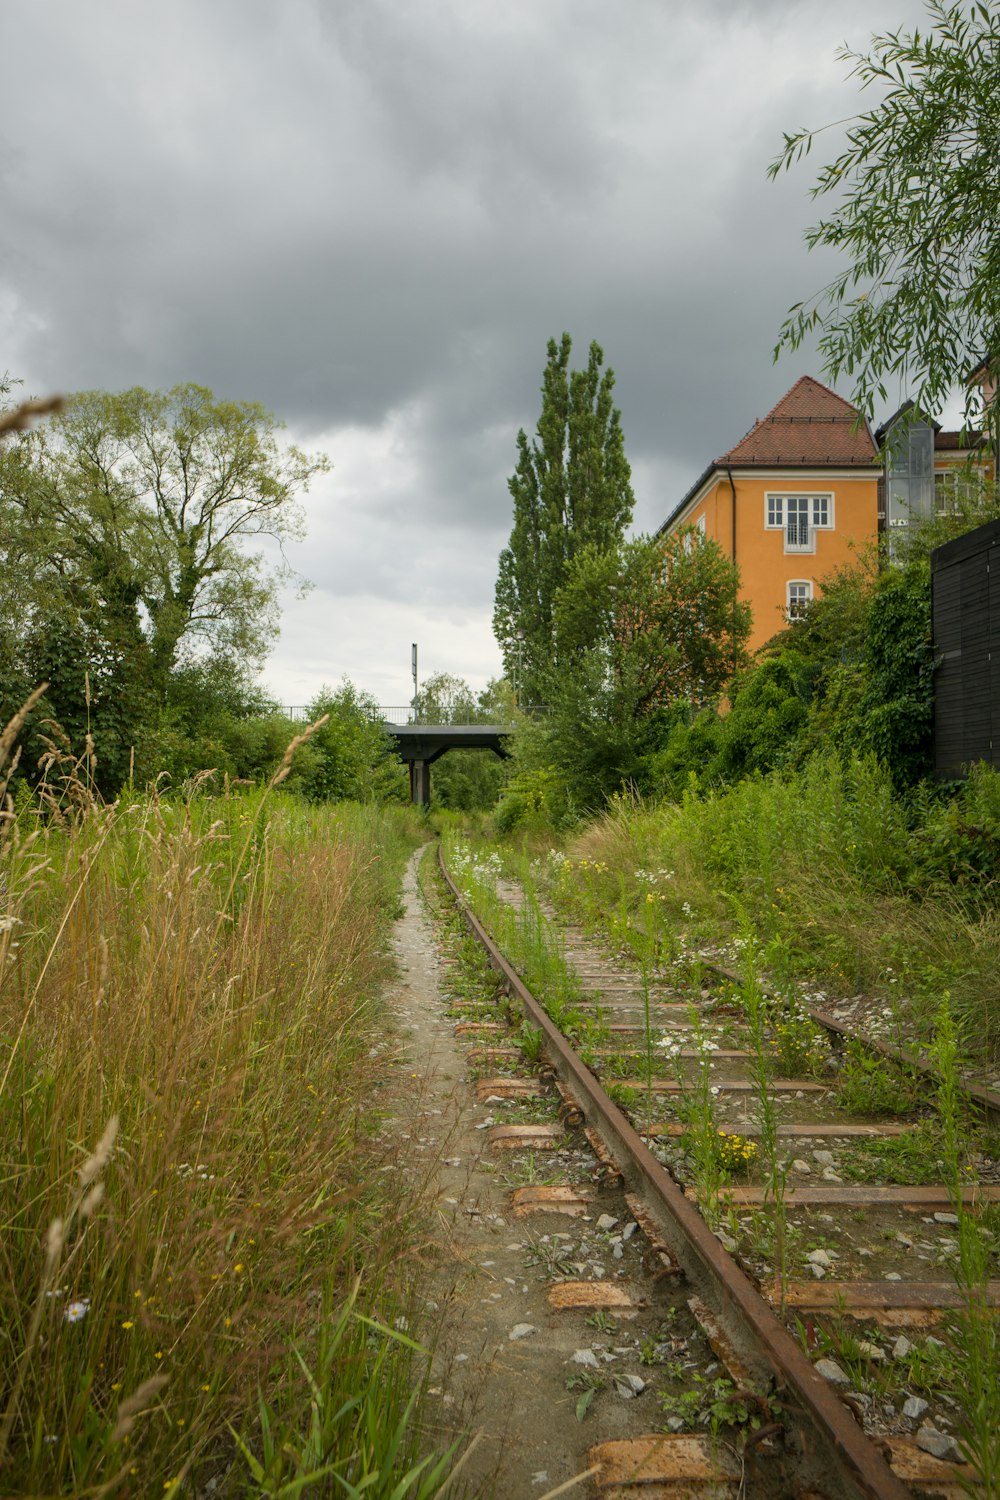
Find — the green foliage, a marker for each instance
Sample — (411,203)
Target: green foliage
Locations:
(571,488)
(126,582)
(659,618)
(533,798)
(352,757)
(914,215)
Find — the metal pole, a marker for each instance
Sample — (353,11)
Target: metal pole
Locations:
(413,669)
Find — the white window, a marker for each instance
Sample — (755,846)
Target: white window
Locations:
(800,591)
(958,487)
(799,517)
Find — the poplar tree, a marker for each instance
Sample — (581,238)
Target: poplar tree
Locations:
(571,489)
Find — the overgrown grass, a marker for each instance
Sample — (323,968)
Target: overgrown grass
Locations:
(193,1192)
(852,887)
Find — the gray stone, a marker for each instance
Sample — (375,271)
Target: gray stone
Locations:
(606,1222)
(522,1331)
(819,1258)
(901,1348)
(817,1271)
(832,1372)
(945,1219)
(725,1240)
(629,1230)
(629,1386)
(825,1158)
(905,1241)
(938,1444)
(914,1408)
(871,1351)
(798,1165)
(829,1175)
(585,1357)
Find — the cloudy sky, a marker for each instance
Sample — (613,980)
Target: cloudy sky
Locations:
(372,214)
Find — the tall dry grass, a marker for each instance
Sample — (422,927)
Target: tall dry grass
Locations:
(190,1047)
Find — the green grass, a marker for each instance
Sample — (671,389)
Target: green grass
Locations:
(194,1226)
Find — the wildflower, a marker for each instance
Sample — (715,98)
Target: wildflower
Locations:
(128,1324)
(75,1312)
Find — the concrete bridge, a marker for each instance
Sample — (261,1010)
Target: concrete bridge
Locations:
(420,745)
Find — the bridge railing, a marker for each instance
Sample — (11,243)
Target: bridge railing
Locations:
(405,714)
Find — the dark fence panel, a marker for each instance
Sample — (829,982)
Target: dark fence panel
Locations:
(965,592)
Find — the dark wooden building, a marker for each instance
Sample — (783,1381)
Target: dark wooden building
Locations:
(965,593)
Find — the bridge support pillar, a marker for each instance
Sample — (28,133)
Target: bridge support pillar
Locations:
(420,782)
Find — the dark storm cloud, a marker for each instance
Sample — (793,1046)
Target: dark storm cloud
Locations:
(371,215)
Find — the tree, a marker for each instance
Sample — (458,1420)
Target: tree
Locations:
(124,563)
(642,632)
(917,212)
(662,617)
(571,488)
(132,512)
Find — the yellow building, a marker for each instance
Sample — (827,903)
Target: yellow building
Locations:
(790,502)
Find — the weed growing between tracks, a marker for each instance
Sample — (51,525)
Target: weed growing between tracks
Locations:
(846,885)
(197,1246)
(975,1328)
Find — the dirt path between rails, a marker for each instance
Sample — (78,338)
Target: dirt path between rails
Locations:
(487,1280)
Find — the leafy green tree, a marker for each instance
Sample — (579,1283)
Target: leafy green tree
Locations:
(916,213)
(662,618)
(133,512)
(571,489)
(352,757)
(127,529)
(642,632)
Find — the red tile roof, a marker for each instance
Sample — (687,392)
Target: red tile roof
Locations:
(810,425)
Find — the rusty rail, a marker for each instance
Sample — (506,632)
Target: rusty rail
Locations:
(987,1099)
(829,1440)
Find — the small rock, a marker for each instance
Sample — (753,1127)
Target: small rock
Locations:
(617,1249)
(945,1219)
(675,1424)
(893,1276)
(860,1398)
(798,1165)
(914,1408)
(606,1222)
(938,1444)
(819,1258)
(866,1253)
(629,1386)
(522,1331)
(871,1351)
(825,1158)
(829,1175)
(817,1271)
(831,1371)
(629,1231)
(725,1240)
(585,1357)
(541,1477)
(901,1348)
(905,1241)
(930,1342)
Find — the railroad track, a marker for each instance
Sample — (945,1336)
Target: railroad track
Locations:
(817,1435)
